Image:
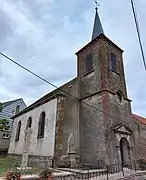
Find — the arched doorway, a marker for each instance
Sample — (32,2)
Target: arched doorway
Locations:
(125,151)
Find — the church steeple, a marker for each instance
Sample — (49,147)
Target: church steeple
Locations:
(97,29)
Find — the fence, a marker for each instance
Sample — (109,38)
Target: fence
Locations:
(112,171)
(82,171)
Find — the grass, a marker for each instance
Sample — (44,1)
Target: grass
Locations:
(6,164)
(11,164)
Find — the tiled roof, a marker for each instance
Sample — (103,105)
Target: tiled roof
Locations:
(139,118)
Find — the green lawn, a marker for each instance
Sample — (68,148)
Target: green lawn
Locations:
(6,164)
(10,164)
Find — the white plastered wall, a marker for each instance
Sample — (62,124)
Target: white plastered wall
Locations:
(40,147)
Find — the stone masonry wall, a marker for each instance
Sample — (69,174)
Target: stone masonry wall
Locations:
(67,130)
(99,88)
(140,139)
(119,114)
(142,152)
(92,147)
(92,144)
(39,161)
(89,83)
(114,112)
(112,81)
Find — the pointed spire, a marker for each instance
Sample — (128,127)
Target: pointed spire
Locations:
(97,30)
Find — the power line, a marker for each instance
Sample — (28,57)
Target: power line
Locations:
(138,33)
(46,81)
(18,64)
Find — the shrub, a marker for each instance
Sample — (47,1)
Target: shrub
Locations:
(45,174)
(10,175)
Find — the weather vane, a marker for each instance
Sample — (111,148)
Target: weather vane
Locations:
(96,4)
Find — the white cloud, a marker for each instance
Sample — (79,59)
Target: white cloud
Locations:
(43,35)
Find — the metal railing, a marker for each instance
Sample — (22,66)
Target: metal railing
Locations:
(82,171)
(111,171)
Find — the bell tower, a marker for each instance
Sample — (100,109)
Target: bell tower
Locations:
(102,86)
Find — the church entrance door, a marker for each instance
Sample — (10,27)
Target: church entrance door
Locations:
(125,153)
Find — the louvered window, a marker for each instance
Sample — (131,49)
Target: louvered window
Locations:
(113,62)
(89,63)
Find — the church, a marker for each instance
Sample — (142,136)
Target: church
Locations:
(87,120)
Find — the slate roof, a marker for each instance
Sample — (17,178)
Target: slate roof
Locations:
(9,102)
(139,118)
(8,109)
(96,39)
(97,29)
(48,97)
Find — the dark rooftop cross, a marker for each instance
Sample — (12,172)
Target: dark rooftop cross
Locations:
(97,29)
(96,3)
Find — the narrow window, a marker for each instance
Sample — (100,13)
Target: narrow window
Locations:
(113,62)
(17,109)
(18,131)
(89,63)
(41,127)
(29,122)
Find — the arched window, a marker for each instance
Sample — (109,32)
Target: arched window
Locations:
(113,62)
(17,109)
(18,131)
(41,126)
(29,122)
(89,63)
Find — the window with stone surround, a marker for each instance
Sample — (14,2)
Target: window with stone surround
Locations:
(29,122)
(113,62)
(41,125)
(89,63)
(18,131)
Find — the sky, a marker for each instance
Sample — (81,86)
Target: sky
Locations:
(43,35)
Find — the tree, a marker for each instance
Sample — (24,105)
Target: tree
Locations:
(4,125)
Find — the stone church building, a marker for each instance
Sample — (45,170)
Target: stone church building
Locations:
(87,120)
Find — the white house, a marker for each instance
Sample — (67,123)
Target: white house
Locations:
(9,109)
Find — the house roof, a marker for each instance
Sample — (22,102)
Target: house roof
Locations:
(10,102)
(60,91)
(139,118)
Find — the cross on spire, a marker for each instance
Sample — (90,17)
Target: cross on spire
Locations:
(96,4)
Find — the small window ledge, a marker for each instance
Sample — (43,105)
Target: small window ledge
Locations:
(89,72)
(115,72)
(40,137)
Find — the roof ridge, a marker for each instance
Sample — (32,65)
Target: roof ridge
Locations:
(7,103)
(140,118)
(48,96)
